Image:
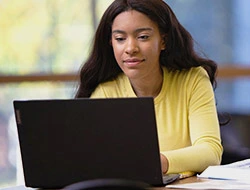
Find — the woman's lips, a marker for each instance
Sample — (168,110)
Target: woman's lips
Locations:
(133,62)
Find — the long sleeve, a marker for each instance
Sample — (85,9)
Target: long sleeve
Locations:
(195,129)
(187,123)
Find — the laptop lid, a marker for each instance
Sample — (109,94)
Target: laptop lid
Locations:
(67,141)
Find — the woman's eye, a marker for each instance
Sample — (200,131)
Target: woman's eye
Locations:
(143,37)
(120,39)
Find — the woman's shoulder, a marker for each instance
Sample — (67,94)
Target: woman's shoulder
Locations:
(121,78)
(193,72)
(114,87)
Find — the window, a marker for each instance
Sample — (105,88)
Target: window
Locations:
(39,39)
(221,30)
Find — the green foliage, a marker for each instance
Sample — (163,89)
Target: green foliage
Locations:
(44,36)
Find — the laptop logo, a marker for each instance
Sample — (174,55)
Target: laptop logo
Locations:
(18,117)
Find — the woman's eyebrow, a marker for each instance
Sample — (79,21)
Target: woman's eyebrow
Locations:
(136,31)
(118,31)
(143,29)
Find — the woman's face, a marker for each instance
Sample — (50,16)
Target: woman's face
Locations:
(137,44)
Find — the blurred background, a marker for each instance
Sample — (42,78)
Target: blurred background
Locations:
(44,42)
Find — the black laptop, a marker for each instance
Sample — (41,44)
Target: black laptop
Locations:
(64,141)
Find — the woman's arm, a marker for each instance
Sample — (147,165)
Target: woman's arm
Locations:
(204,129)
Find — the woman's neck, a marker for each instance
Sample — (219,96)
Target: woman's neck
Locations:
(148,87)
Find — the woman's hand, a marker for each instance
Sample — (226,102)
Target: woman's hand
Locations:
(164,164)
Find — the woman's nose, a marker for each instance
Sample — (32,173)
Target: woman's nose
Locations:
(131,46)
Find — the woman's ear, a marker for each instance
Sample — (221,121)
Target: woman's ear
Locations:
(163,41)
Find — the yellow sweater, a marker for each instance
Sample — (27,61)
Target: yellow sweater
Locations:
(186,115)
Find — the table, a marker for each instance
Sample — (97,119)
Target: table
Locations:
(208,183)
(192,179)
(182,181)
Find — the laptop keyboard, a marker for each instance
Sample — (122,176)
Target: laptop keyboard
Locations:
(169,178)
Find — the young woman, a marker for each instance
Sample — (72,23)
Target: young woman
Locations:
(141,49)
